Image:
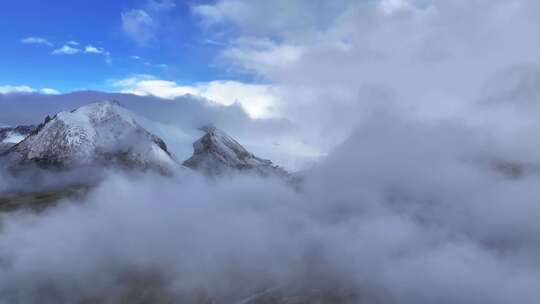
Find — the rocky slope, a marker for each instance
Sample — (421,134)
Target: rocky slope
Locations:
(217,153)
(101,133)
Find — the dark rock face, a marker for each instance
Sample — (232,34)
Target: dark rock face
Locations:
(217,153)
(100,134)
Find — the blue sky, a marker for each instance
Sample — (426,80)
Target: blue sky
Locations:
(177,48)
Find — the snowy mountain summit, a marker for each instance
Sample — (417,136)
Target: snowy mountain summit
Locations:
(216,153)
(102,133)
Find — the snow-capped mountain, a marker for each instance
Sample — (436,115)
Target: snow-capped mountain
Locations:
(102,133)
(217,153)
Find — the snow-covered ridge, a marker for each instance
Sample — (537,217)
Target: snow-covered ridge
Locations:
(216,153)
(97,133)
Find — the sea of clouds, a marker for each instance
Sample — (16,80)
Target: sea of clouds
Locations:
(403,117)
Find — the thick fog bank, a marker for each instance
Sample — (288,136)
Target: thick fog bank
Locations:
(406,211)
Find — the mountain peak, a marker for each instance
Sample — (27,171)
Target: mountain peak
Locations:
(98,112)
(216,153)
(208,128)
(97,133)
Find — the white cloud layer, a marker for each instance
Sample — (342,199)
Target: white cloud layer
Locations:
(71,48)
(429,195)
(36,40)
(90,49)
(138,25)
(398,214)
(144,23)
(393,6)
(49,91)
(66,50)
(257,100)
(10,89)
(431,57)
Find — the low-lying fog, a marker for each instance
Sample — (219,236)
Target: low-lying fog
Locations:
(405,211)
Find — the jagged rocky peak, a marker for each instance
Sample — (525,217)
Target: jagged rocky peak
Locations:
(217,153)
(101,133)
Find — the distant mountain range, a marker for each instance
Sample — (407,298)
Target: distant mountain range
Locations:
(106,134)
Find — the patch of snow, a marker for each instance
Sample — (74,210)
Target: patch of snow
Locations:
(13,138)
(158,155)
